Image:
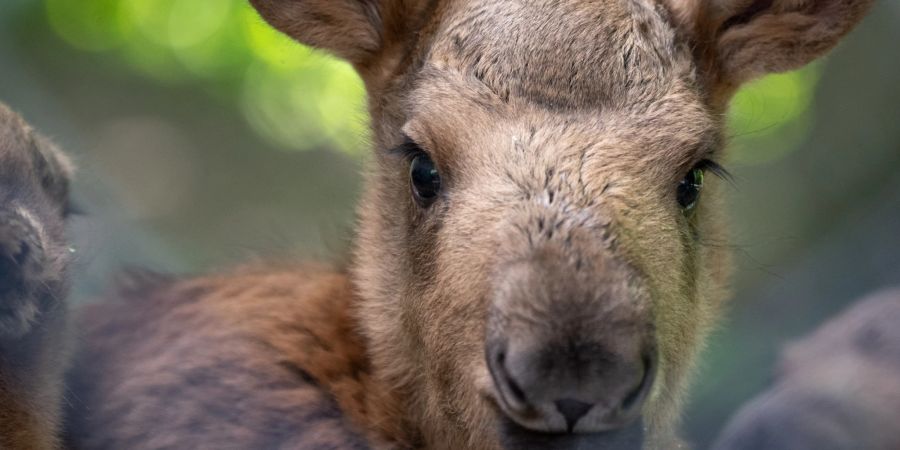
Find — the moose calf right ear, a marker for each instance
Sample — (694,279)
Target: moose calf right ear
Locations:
(351,29)
(756,37)
(745,39)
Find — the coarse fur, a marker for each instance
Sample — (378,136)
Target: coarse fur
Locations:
(836,389)
(259,358)
(555,248)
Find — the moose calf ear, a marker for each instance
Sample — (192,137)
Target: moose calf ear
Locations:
(55,169)
(351,29)
(745,39)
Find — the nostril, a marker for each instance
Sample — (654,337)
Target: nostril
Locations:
(14,248)
(10,271)
(572,410)
(505,383)
(514,388)
(21,255)
(15,254)
(634,399)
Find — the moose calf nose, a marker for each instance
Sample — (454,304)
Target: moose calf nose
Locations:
(573,388)
(15,251)
(21,255)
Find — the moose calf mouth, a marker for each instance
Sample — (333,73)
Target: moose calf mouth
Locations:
(515,437)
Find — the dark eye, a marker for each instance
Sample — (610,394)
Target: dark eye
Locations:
(425,179)
(689,189)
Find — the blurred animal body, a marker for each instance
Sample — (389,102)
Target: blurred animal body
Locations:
(34,260)
(837,389)
(529,269)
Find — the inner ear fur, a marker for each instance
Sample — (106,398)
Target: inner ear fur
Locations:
(739,40)
(351,29)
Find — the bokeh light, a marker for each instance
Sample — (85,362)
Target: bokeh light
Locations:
(293,96)
(770,117)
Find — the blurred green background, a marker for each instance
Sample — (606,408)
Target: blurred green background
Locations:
(205,138)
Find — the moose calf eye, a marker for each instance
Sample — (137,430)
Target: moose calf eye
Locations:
(689,189)
(425,179)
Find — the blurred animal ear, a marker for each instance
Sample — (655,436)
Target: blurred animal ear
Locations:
(44,161)
(55,168)
(351,29)
(744,39)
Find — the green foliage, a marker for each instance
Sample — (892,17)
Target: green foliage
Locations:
(770,117)
(300,98)
(296,97)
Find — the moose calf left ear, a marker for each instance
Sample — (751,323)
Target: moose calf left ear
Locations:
(351,29)
(746,39)
(55,168)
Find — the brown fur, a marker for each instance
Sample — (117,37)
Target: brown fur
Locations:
(836,389)
(561,130)
(33,271)
(264,358)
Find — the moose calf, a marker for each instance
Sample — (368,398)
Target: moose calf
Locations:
(838,389)
(34,260)
(529,269)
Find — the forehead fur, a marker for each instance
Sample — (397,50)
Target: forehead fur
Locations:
(564,54)
(606,75)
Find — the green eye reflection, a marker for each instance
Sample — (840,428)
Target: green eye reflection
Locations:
(688,192)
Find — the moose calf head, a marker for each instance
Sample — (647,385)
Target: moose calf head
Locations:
(34,184)
(540,246)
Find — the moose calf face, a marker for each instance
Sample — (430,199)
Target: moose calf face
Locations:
(547,217)
(539,243)
(33,202)
(541,240)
